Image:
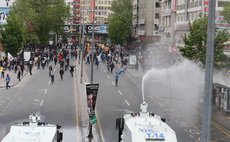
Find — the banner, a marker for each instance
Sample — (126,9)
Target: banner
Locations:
(4,11)
(10,57)
(132,59)
(26,56)
(91,94)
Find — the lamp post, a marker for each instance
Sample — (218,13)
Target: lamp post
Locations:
(207,117)
(83,42)
(90,136)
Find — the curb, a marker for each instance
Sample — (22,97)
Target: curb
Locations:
(15,83)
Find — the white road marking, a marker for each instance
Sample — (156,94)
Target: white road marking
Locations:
(104,70)
(127,102)
(113,83)
(49,82)
(108,76)
(41,103)
(45,91)
(120,92)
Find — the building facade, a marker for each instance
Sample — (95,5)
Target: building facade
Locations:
(146,20)
(74,11)
(176,14)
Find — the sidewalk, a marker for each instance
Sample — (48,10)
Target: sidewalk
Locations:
(84,117)
(13,78)
(219,115)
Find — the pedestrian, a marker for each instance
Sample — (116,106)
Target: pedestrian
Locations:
(116,78)
(55,60)
(52,76)
(71,69)
(3,72)
(61,72)
(22,68)
(50,69)
(112,67)
(19,75)
(7,81)
(30,66)
(1,69)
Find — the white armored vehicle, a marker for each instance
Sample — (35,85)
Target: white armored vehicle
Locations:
(144,127)
(33,131)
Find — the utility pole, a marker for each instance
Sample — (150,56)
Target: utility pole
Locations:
(83,40)
(90,136)
(207,110)
(92,46)
(137,27)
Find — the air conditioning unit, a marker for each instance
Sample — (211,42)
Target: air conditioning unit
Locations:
(156,33)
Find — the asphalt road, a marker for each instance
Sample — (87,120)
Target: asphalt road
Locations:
(57,104)
(182,112)
(35,94)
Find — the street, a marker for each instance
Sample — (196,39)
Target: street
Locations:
(35,94)
(58,103)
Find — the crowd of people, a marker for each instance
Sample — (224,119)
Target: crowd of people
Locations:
(40,59)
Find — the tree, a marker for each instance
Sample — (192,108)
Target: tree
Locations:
(196,42)
(26,14)
(120,21)
(226,12)
(50,17)
(12,35)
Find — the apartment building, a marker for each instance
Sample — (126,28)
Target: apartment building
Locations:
(102,11)
(74,11)
(146,19)
(176,14)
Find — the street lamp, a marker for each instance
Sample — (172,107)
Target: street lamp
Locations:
(83,42)
(90,136)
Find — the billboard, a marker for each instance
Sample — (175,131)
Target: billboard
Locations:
(4,11)
(100,29)
(91,94)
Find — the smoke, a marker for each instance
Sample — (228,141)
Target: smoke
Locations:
(183,81)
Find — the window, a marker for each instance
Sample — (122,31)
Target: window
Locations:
(157,4)
(157,16)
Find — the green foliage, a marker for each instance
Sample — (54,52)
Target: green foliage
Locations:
(50,16)
(12,37)
(226,12)
(120,21)
(26,14)
(196,42)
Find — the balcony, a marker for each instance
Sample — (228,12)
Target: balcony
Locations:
(141,21)
(76,12)
(141,32)
(156,21)
(77,1)
(76,6)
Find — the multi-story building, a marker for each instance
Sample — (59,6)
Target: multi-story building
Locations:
(146,19)
(102,11)
(177,14)
(74,11)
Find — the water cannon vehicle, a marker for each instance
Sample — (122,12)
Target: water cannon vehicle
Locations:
(144,127)
(34,131)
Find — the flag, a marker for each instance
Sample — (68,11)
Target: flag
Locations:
(10,57)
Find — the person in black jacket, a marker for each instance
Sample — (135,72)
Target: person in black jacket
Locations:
(61,72)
